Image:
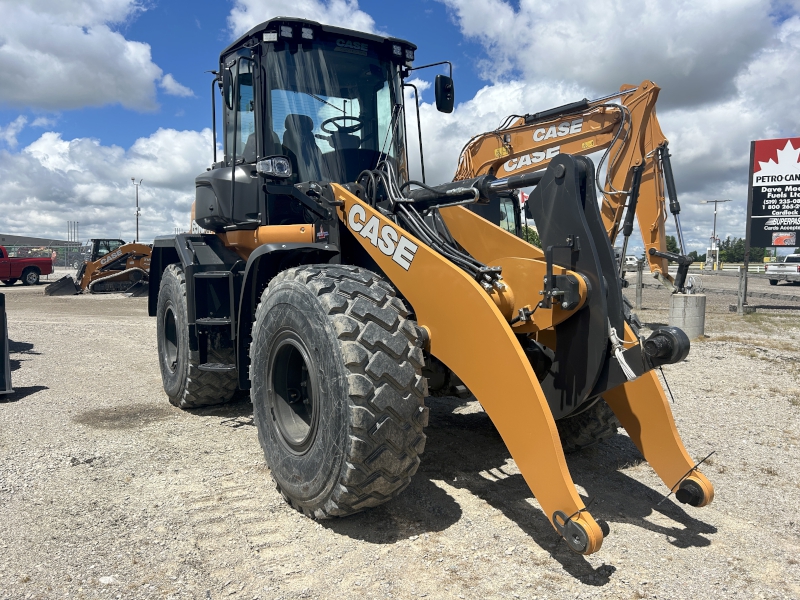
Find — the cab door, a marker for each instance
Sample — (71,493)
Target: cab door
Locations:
(242,143)
(5,265)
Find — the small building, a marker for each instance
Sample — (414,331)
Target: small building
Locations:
(23,240)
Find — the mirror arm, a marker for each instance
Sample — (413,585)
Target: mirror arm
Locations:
(444,62)
(419,129)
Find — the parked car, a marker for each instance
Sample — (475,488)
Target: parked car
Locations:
(788,270)
(28,269)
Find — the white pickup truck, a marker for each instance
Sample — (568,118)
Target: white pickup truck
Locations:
(788,270)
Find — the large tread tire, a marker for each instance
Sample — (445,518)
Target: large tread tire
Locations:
(184,383)
(587,428)
(364,365)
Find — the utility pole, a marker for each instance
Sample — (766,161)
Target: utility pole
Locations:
(136,187)
(714,241)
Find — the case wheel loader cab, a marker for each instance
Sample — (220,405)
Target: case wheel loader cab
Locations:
(330,353)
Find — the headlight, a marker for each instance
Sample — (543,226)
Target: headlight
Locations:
(275,166)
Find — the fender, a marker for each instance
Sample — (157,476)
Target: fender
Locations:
(263,264)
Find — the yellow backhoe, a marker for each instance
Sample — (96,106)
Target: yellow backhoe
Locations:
(638,167)
(339,292)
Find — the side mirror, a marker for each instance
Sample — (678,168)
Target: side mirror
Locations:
(445,94)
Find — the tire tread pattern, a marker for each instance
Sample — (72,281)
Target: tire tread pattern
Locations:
(595,424)
(381,351)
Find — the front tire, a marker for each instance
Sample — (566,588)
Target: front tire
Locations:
(587,428)
(184,383)
(30,276)
(9,281)
(337,390)
(773,282)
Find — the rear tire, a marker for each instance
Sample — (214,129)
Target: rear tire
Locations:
(184,383)
(595,424)
(9,281)
(30,276)
(337,389)
(773,282)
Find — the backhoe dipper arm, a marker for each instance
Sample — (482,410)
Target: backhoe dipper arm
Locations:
(630,133)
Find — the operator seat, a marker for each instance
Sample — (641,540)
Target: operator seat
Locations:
(299,141)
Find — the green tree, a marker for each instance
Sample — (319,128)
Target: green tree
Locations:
(672,244)
(530,235)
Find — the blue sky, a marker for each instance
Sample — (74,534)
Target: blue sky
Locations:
(185,39)
(103,90)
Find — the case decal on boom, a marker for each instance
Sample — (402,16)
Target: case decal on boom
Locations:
(560,130)
(526,160)
(388,241)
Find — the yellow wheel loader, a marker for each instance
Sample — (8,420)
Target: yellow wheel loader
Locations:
(339,292)
(112,266)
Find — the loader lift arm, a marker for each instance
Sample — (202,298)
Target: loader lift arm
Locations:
(639,170)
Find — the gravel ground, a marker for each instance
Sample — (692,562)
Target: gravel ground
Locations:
(107,491)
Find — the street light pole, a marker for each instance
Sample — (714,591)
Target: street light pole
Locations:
(714,243)
(136,187)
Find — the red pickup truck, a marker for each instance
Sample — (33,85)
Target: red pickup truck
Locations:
(27,269)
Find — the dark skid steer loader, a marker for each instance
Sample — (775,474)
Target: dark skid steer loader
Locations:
(338,292)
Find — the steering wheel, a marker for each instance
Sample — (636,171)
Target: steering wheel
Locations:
(342,128)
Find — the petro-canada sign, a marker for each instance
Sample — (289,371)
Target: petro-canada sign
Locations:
(774,203)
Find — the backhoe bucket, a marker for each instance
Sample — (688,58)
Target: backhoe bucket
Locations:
(62,287)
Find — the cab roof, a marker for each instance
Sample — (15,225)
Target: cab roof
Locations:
(272,23)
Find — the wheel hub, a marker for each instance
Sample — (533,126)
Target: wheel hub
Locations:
(292,400)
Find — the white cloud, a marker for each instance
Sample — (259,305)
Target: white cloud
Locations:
(10,132)
(692,49)
(53,181)
(173,88)
(728,75)
(65,55)
(246,14)
(43,122)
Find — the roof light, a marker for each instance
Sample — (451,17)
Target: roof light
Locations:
(397,50)
(271,36)
(409,54)
(307,33)
(286,31)
(275,166)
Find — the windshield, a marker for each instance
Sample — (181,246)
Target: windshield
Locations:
(333,111)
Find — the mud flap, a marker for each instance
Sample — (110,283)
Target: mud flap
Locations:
(5,362)
(62,287)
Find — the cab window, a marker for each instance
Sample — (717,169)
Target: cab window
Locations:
(507,214)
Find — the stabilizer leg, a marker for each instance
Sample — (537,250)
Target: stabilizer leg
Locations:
(644,412)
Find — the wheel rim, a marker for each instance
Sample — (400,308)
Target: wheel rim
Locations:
(32,278)
(292,393)
(170,340)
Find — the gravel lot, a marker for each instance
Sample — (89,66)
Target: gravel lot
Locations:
(107,491)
